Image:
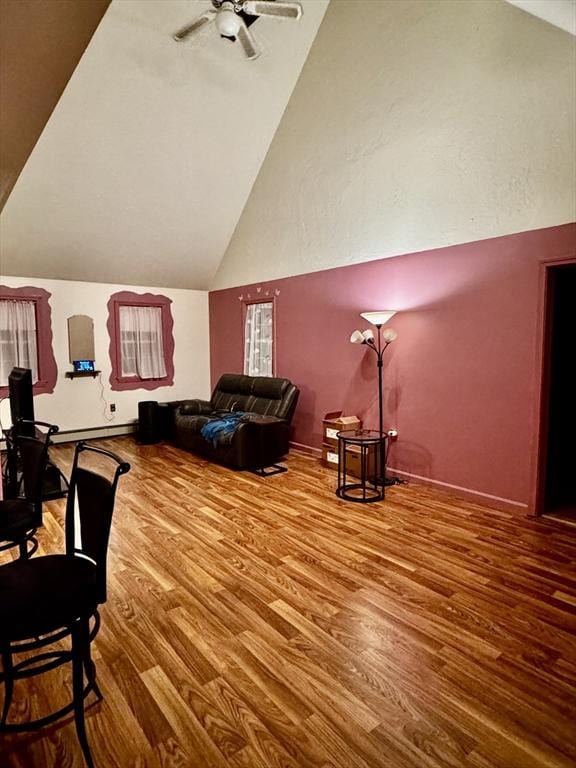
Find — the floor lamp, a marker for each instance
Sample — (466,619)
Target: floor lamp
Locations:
(383,340)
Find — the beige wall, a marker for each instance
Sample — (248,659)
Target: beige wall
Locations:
(79,404)
(414,125)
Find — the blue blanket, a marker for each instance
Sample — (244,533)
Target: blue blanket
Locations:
(217,429)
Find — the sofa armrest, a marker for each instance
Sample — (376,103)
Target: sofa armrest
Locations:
(194,407)
(261,441)
(168,410)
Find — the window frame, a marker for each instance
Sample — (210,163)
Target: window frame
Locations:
(121,383)
(245,304)
(47,368)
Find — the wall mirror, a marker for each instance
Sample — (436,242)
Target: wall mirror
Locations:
(81,337)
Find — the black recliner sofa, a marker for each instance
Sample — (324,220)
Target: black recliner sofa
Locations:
(261,437)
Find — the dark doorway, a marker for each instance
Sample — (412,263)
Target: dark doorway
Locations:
(559,422)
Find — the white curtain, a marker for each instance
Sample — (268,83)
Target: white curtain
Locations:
(258,335)
(17,338)
(142,343)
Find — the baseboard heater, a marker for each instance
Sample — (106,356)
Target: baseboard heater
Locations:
(92,433)
(89,433)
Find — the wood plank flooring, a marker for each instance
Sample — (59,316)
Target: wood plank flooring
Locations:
(264,623)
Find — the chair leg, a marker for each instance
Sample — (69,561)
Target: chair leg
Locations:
(90,670)
(80,647)
(23,548)
(8,675)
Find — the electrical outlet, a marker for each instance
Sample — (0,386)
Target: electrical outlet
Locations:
(392,434)
(112,407)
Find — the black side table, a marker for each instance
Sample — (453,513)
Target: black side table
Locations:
(371,449)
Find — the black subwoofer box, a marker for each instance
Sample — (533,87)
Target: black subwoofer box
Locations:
(54,485)
(149,429)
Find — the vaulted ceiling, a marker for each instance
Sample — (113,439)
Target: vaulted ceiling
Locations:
(145,165)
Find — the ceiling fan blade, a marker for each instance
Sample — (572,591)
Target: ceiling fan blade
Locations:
(247,41)
(195,26)
(268,8)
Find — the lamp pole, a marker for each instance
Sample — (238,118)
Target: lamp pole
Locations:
(379,349)
(367,337)
(380,354)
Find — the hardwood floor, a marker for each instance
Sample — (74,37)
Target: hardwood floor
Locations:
(263,623)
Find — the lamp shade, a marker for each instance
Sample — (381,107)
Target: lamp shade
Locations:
(357,338)
(378,318)
(389,335)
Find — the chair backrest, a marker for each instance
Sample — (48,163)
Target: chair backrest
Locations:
(89,510)
(33,453)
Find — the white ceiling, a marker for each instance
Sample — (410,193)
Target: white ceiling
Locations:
(145,165)
(561,13)
(147,162)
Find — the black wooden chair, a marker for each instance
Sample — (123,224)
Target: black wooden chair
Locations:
(46,599)
(20,517)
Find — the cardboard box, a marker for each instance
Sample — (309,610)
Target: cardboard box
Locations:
(333,423)
(330,460)
(353,462)
(330,456)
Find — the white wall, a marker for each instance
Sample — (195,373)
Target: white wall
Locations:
(414,125)
(80,403)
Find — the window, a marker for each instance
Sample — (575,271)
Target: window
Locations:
(17,338)
(141,341)
(259,339)
(26,337)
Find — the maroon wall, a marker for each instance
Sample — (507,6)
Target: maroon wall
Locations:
(462,379)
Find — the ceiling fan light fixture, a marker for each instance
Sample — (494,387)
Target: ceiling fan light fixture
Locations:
(233,17)
(227,21)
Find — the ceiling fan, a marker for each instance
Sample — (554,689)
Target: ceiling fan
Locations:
(233,17)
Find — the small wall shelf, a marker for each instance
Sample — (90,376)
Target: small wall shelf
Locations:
(81,374)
